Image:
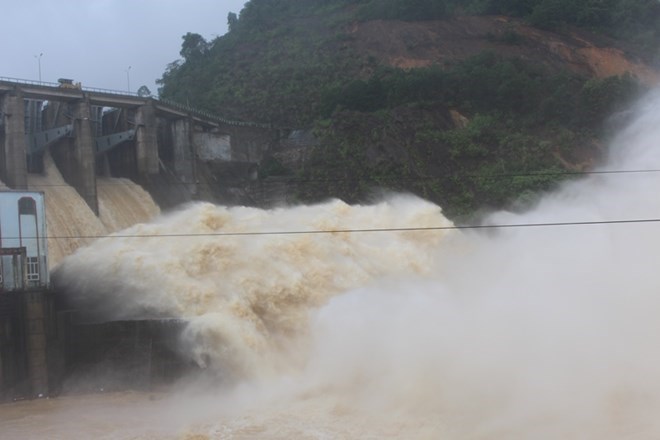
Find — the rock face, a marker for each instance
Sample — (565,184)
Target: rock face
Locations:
(420,44)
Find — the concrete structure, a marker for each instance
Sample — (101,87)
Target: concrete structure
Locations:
(137,354)
(12,121)
(92,132)
(23,245)
(42,342)
(24,295)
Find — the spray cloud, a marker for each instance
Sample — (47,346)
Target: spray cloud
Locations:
(543,332)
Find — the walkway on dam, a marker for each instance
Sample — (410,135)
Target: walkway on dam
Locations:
(41,90)
(94,132)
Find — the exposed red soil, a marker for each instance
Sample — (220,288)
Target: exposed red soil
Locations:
(419,44)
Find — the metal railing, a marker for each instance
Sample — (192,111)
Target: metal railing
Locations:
(177,105)
(27,81)
(205,114)
(112,92)
(58,85)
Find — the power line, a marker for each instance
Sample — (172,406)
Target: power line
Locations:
(564,173)
(354,231)
(393,178)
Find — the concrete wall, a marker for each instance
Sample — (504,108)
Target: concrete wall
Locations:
(35,341)
(249,144)
(84,178)
(14,169)
(26,323)
(213,146)
(146,142)
(125,354)
(149,158)
(183,150)
(13,354)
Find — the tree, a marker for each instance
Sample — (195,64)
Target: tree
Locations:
(144,92)
(232,21)
(194,46)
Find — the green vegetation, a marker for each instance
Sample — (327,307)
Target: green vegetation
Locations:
(269,67)
(521,119)
(487,84)
(292,63)
(634,20)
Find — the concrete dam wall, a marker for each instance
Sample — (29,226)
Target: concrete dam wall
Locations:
(104,163)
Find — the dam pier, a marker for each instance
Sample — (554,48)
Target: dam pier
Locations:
(92,133)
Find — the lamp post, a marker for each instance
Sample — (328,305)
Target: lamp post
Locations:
(128,79)
(38,57)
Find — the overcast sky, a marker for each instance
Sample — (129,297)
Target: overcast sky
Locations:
(95,41)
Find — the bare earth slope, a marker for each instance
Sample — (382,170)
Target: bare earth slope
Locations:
(419,44)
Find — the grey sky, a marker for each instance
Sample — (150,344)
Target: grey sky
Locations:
(95,41)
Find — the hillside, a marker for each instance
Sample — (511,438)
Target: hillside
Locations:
(470,110)
(422,44)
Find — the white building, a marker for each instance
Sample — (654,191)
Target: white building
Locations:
(23,246)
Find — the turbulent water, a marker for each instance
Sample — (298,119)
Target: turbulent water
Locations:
(510,333)
(248,297)
(70,222)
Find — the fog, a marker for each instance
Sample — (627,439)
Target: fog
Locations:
(95,42)
(517,333)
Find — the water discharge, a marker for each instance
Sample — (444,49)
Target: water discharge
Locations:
(248,297)
(71,224)
(516,333)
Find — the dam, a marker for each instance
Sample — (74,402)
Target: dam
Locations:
(96,162)
(94,133)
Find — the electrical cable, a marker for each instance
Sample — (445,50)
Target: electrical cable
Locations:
(353,231)
(397,178)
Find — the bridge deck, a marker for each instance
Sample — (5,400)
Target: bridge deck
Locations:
(112,98)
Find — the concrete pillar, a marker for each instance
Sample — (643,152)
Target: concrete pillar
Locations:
(84,145)
(3,381)
(14,170)
(146,140)
(35,322)
(193,154)
(184,152)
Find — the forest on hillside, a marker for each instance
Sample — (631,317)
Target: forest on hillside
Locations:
(292,63)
